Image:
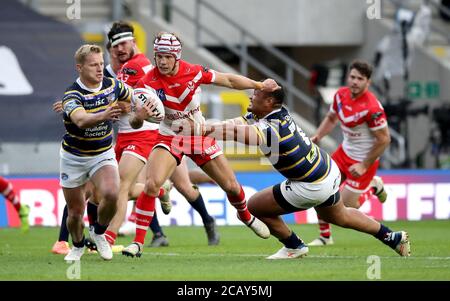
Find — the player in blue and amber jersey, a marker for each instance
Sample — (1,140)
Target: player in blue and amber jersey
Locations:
(312,177)
(89,108)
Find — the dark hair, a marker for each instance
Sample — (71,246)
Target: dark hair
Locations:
(119,27)
(278,95)
(108,45)
(363,67)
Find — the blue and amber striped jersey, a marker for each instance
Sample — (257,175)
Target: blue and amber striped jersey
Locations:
(98,139)
(288,148)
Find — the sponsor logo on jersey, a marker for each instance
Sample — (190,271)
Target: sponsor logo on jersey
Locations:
(129,71)
(191,85)
(161,94)
(174,85)
(182,115)
(375,115)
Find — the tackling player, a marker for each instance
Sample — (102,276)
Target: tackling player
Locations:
(312,176)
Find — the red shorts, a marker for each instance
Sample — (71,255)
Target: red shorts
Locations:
(358,185)
(138,144)
(200,149)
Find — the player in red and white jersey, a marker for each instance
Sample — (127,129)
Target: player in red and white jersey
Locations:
(176,82)
(366,136)
(133,146)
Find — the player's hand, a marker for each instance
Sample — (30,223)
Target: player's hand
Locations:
(189,127)
(147,110)
(315,139)
(124,106)
(269,85)
(57,107)
(184,127)
(112,112)
(357,170)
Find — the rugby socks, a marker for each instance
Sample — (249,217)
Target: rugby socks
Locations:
(6,188)
(145,208)
(292,242)
(365,196)
(99,229)
(155,227)
(79,244)
(199,206)
(386,236)
(92,213)
(132,217)
(110,237)
(63,231)
(239,202)
(161,193)
(325,228)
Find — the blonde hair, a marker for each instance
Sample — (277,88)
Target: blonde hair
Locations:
(84,51)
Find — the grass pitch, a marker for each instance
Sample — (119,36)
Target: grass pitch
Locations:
(240,256)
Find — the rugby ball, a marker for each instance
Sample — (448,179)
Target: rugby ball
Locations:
(142,95)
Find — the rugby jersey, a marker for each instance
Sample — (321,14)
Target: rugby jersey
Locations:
(98,139)
(288,148)
(180,94)
(359,117)
(109,72)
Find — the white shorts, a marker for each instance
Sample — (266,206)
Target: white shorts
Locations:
(296,195)
(76,170)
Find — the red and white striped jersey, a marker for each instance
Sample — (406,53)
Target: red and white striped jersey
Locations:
(180,93)
(358,118)
(130,73)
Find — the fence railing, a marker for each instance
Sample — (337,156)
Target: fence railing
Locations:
(292,68)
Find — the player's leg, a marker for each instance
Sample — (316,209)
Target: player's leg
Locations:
(61,246)
(352,218)
(264,206)
(182,183)
(343,162)
(75,207)
(105,177)
(161,164)
(7,190)
(129,168)
(159,239)
(220,171)
(198,177)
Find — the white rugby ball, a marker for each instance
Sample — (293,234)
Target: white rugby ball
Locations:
(143,95)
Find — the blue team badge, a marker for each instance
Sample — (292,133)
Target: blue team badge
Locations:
(161,94)
(64,176)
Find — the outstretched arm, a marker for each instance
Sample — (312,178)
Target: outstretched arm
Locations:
(225,131)
(239,82)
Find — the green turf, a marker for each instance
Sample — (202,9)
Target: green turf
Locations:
(240,256)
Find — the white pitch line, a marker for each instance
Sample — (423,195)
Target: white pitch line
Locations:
(310,256)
